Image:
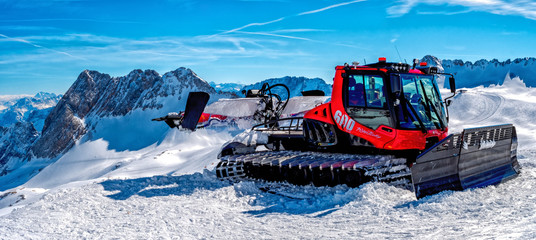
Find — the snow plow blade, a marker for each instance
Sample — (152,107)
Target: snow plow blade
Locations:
(477,157)
(194,108)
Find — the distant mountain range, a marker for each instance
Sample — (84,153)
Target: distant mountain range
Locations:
(21,120)
(484,72)
(25,108)
(296,86)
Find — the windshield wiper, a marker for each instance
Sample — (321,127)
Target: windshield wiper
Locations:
(438,113)
(429,106)
(438,118)
(423,128)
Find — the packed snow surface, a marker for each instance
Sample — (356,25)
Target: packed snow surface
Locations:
(168,191)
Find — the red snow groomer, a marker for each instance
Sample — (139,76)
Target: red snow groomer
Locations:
(385,122)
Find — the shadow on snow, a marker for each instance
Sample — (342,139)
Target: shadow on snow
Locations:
(161,186)
(319,201)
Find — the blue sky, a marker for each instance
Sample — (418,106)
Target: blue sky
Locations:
(44,45)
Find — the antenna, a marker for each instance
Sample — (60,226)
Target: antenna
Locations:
(398,54)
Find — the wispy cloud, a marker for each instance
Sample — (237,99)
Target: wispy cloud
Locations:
(275,35)
(395,38)
(39,46)
(253,24)
(523,8)
(444,12)
(286,17)
(104,50)
(330,7)
(230,44)
(27,28)
(300,30)
(38,20)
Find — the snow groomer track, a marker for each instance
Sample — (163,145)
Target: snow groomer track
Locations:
(320,169)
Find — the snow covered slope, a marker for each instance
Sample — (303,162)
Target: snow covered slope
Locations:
(168,190)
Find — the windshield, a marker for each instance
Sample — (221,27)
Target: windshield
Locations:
(422,106)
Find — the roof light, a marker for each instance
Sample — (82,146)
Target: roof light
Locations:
(382,59)
(423,64)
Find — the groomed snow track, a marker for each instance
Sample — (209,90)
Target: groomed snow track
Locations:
(320,169)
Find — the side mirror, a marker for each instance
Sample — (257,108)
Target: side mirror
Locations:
(452,84)
(395,83)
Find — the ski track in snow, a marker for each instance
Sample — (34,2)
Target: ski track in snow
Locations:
(165,192)
(490,104)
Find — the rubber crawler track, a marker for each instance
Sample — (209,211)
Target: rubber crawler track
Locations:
(320,169)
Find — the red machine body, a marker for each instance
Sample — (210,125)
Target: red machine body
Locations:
(391,136)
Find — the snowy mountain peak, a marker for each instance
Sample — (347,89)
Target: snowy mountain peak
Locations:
(433,61)
(186,78)
(94,96)
(182,71)
(45,95)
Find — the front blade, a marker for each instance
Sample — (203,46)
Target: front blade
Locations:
(478,157)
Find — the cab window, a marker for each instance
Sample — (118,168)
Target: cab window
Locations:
(366,91)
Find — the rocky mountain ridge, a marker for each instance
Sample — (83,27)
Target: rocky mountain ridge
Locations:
(92,98)
(96,95)
(484,72)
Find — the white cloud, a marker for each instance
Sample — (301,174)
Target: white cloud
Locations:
(330,7)
(110,50)
(395,38)
(39,46)
(275,35)
(251,25)
(299,30)
(283,18)
(444,12)
(523,8)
